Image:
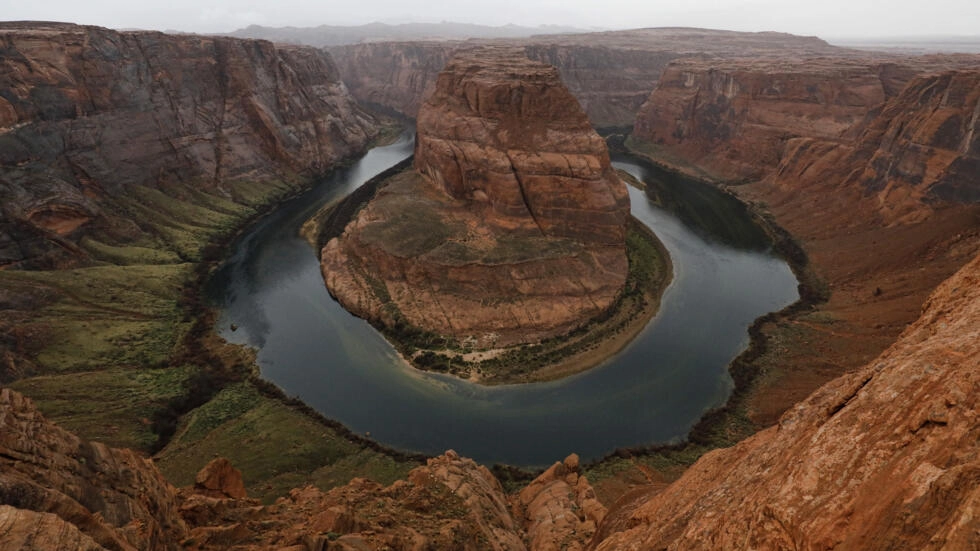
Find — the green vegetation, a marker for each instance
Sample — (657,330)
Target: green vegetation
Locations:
(121,349)
(276,447)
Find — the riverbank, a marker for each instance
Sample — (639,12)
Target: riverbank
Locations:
(584,347)
(122,351)
(614,474)
(853,305)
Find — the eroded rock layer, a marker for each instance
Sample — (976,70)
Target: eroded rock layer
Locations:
(733,117)
(87,114)
(922,147)
(60,492)
(610,73)
(887,457)
(511,230)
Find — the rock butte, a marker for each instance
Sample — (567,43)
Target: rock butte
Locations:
(512,227)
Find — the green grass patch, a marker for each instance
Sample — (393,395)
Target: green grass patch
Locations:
(111,406)
(273,444)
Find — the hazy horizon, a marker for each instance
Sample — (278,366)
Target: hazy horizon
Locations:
(831,19)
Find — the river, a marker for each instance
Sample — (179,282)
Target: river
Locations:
(652,392)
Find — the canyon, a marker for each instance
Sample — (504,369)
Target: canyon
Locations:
(510,230)
(94,120)
(868,389)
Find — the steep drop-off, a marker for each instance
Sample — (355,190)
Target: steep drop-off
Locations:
(611,73)
(854,181)
(732,118)
(60,492)
(884,458)
(89,116)
(512,228)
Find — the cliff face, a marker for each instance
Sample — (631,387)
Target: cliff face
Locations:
(884,458)
(60,492)
(513,228)
(394,75)
(734,118)
(88,113)
(920,148)
(611,73)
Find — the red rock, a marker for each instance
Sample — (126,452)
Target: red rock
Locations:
(884,458)
(220,479)
(513,228)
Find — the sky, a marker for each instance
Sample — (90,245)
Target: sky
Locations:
(824,18)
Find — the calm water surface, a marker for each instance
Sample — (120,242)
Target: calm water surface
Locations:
(652,392)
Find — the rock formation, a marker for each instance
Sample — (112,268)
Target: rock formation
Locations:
(887,457)
(511,230)
(50,479)
(920,148)
(87,114)
(732,118)
(59,492)
(610,73)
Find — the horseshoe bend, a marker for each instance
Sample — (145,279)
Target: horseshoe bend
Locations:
(510,229)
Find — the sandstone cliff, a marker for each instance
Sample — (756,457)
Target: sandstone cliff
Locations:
(610,73)
(920,148)
(733,118)
(60,492)
(88,114)
(884,458)
(511,230)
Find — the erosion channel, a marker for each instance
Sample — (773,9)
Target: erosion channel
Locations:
(270,289)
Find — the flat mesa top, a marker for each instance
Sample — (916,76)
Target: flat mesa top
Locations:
(500,63)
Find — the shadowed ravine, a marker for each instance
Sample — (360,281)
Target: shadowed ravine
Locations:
(652,392)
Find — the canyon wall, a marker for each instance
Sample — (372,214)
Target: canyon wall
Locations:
(513,227)
(733,119)
(610,73)
(919,149)
(884,458)
(87,114)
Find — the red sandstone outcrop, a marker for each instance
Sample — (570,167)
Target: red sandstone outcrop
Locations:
(59,492)
(610,73)
(87,113)
(884,458)
(559,508)
(511,230)
(112,497)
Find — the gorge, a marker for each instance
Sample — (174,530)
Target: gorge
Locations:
(852,153)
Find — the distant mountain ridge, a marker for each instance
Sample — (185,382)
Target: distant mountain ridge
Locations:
(337,35)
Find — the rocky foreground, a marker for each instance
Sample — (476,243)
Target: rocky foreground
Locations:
(511,229)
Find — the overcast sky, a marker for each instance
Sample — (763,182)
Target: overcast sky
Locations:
(825,18)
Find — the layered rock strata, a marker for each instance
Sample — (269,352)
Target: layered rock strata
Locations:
(512,228)
(610,73)
(884,458)
(87,114)
(921,148)
(733,118)
(59,489)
